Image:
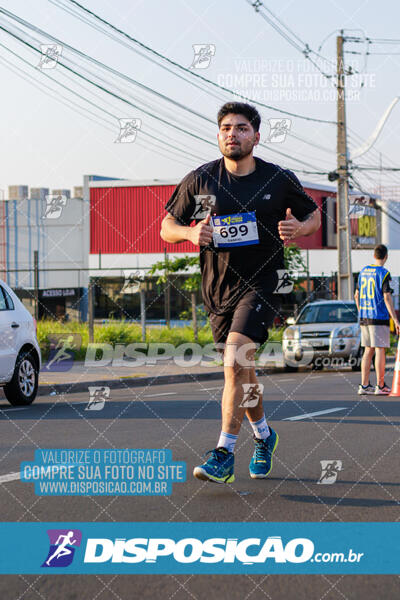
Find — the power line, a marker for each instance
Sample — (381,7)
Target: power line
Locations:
(378,206)
(97,106)
(383,41)
(117,73)
(191,72)
(365,168)
(356,137)
(102,88)
(102,65)
(199,85)
(304,48)
(107,91)
(93,75)
(83,112)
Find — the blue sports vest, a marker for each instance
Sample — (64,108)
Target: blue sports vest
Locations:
(370,282)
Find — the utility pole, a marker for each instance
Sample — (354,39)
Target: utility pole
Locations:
(167,292)
(91,310)
(36,282)
(194,317)
(143,312)
(345,273)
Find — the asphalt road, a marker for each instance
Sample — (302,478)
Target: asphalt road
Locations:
(318,417)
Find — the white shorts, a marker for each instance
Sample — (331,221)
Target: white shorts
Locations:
(375,336)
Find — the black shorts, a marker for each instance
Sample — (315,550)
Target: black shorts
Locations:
(253,315)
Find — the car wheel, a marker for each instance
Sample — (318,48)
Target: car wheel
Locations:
(22,388)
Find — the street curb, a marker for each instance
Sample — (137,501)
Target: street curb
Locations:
(128,382)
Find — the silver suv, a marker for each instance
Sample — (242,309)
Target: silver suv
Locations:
(326,333)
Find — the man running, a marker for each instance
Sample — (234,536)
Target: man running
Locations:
(373,297)
(254,207)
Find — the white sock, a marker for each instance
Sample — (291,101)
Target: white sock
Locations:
(260,428)
(227,440)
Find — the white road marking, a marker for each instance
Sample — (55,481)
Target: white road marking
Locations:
(161,394)
(10,409)
(210,389)
(317,376)
(17,475)
(283,380)
(9,477)
(313,414)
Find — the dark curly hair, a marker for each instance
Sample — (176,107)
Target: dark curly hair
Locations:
(240,108)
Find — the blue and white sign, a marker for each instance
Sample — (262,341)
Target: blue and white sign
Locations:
(235,230)
(103,472)
(199,548)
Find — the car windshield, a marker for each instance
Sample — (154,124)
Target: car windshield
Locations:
(329,313)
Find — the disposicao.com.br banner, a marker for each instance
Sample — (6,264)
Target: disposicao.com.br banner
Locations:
(199,548)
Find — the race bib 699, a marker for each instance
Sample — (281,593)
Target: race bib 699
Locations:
(235,230)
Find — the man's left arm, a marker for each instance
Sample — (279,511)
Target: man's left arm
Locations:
(387,297)
(291,228)
(302,213)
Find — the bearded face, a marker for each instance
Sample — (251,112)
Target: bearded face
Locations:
(236,137)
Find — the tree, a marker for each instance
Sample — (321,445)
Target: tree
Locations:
(294,263)
(181,265)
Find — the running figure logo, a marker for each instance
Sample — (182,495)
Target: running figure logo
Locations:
(252,394)
(202,56)
(132,282)
(61,356)
(285,284)
(54,206)
(128,129)
(63,543)
(50,55)
(330,470)
(278,130)
(98,396)
(204,205)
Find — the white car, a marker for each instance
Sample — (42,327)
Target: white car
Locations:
(20,358)
(326,333)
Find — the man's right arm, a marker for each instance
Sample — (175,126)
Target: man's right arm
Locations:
(174,233)
(357,299)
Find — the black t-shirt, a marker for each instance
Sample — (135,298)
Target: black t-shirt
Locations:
(228,273)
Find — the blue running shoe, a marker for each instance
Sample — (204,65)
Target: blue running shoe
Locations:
(261,462)
(218,468)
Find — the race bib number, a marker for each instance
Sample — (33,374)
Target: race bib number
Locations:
(235,230)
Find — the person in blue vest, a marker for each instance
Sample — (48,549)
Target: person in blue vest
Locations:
(374,301)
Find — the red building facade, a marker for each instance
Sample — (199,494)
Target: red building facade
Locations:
(125,218)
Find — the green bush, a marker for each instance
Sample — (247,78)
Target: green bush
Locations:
(117,333)
(121,332)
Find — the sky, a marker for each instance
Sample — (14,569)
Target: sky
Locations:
(48,142)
